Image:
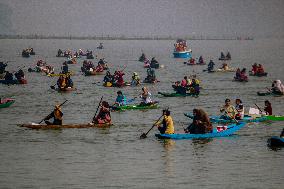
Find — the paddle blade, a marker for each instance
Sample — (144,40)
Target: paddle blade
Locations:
(52,87)
(143,136)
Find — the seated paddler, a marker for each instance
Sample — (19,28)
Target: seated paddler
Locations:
(229,110)
(104,115)
(201,123)
(57,116)
(166,125)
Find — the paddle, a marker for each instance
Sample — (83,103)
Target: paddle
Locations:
(98,107)
(258,108)
(52,111)
(232,118)
(144,135)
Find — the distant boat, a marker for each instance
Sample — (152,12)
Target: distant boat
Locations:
(181,50)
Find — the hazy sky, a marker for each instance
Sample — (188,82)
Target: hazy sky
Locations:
(258,18)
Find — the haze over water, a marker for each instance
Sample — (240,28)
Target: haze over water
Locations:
(115,157)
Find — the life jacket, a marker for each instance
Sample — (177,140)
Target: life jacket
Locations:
(169,124)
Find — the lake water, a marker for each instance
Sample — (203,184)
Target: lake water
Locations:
(115,157)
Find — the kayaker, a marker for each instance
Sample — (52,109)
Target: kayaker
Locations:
(240,109)
(222,55)
(151,77)
(210,65)
(99,68)
(104,114)
(243,74)
(142,57)
(69,82)
(200,60)
(108,79)
(254,69)
(238,73)
(135,79)
(282,134)
(154,63)
(20,75)
(61,82)
(194,86)
(192,60)
(260,69)
(120,99)
(267,108)
(57,116)
(225,66)
(201,123)
(118,76)
(277,87)
(64,68)
(228,56)
(146,97)
(229,110)
(59,52)
(2,67)
(166,126)
(8,77)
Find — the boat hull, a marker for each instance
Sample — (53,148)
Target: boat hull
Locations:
(135,107)
(6,102)
(183,54)
(247,119)
(66,126)
(231,129)
(177,94)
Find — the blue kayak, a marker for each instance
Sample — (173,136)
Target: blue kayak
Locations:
(231,129)
(217,119)
(275,141)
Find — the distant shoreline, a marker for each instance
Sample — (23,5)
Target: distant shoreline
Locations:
(119,38)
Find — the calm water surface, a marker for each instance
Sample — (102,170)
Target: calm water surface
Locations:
(115,157)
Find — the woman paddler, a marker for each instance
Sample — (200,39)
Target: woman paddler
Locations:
(229,110)
(201,123)
(120,99)
(166,126)
(267,108)
(57,116)
(146,97)
(240,109)
(104,115)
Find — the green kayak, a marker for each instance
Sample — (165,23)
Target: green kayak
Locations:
(135,107)
(177,94)
(6,102)
(275,118)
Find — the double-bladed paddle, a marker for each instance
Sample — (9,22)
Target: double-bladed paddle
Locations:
(52,112)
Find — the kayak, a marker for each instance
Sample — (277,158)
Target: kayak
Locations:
(275,141)
(177,94)
(135,107)
(68,89)
(13,82)
(60,74)
(247,119)
(268,93)
(108,84)
(228,70)
(258,74)
(193,64)
(227,131)
(224,58)
(6,102)
(66,126)
(274,118)
(240,80)
(90,73)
